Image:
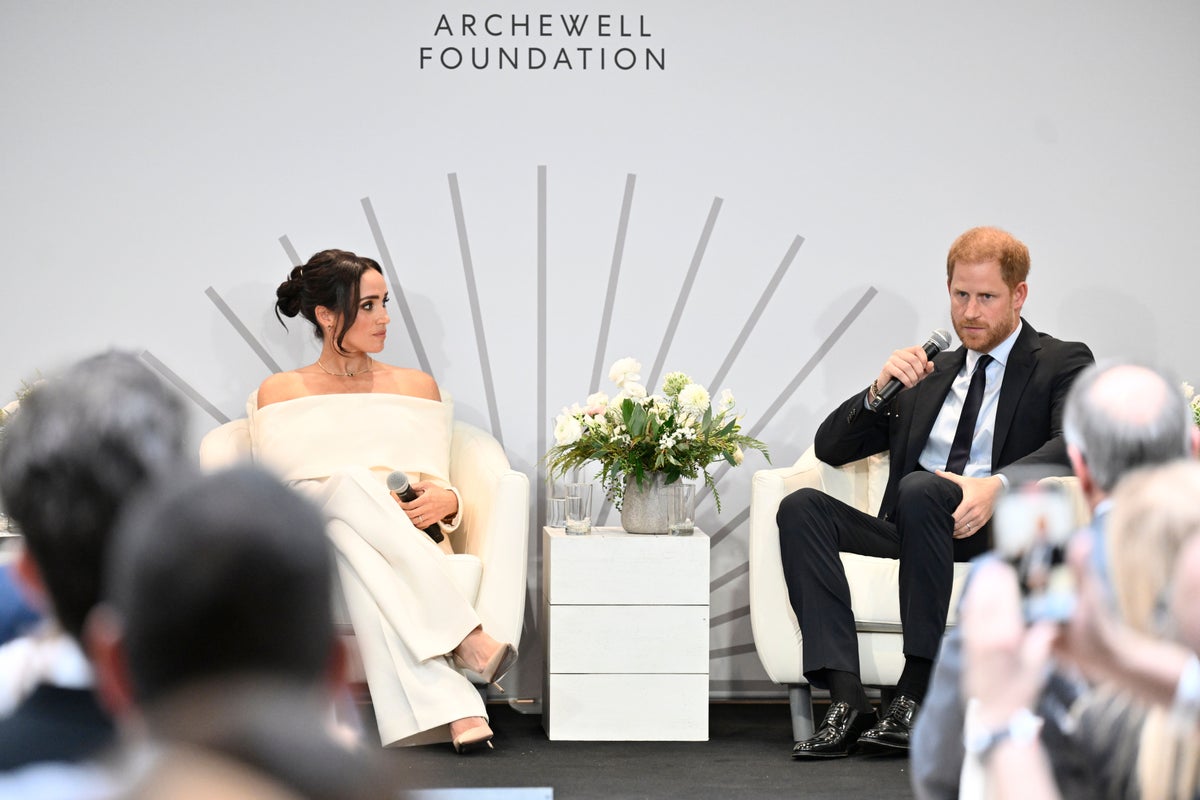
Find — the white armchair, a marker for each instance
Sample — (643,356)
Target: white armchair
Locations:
(490,545)
(874,582)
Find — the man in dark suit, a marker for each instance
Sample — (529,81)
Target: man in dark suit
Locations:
(963,420)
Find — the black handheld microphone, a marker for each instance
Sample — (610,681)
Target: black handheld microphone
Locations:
(938,341)
(397,483)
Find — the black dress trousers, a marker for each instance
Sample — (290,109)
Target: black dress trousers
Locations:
(814,528)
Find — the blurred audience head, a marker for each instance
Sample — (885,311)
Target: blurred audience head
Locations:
(1121,416)
(1185,611)
(80,445)
(216,632)
(271,738)
(1153,530)
(1156,511)
(224,576)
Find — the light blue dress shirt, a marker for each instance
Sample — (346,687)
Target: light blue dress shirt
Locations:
(937,447)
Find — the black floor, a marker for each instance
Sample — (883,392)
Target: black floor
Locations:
(748,755)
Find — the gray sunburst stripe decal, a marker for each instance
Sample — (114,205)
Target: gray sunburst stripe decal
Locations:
(768,292)
(735,650)
(485,365)
(542,305)
(816,358)
(733,574)
(677,314)
(728,528)
(183,386)
(614,272)
(290,249)
(740,342)
(385,256)
(684,290)
(242,330)
(729,616)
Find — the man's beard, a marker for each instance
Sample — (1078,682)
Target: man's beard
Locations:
(983,341)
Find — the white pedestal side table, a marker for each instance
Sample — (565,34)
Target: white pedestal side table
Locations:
(626,637)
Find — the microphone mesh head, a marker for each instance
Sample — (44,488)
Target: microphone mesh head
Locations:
(397,481)
(940,337)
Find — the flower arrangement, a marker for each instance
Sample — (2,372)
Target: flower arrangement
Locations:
(678,433)
(1193,399)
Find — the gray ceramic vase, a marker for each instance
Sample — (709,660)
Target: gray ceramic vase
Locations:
(644,508)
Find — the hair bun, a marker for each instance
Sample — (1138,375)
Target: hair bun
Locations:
(287,296)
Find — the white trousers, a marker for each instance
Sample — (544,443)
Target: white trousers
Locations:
(406,612)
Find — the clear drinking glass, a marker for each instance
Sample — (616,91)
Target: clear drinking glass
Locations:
(579,508)
(681,509)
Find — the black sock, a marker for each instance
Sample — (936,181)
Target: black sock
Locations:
(914,680)
(846,686)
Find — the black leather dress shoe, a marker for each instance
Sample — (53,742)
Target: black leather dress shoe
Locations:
(892,732)
(838,733)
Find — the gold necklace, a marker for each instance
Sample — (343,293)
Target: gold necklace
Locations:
(347,374)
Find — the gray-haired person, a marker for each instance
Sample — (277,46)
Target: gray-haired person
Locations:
(1119,416)
(80,446)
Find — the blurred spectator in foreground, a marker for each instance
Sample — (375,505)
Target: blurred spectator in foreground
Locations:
(81,444)
(1119,417)
(1143,724)
(240,663)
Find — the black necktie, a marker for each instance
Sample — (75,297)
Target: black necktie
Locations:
(960,448)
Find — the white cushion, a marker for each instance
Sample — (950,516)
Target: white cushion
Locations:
(226,445)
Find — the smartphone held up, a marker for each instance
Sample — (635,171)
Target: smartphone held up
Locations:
(1031,528)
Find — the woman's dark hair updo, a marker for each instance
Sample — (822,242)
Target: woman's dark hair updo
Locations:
(330,278)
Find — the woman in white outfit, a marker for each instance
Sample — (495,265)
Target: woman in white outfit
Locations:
(335,430)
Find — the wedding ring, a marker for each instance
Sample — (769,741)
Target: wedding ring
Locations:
(420,517)
(968,526)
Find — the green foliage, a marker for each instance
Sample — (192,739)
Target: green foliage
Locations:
(678,433)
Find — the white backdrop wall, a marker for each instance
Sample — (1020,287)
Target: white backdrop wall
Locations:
(154,154)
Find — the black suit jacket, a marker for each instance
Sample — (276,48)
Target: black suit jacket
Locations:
(1029,414)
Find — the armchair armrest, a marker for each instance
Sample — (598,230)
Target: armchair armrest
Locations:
(770,611)
(495,526)
(226,445)
(771,614)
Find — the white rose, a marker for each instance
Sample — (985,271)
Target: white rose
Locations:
(726,402)
(567,430)
(632,390)
(596,400)
(626,370)
(694,397)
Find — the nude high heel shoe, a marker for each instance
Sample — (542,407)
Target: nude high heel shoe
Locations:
(473,739)
(497,666)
